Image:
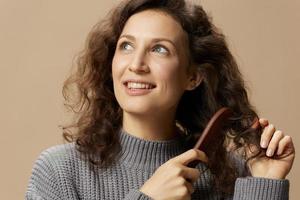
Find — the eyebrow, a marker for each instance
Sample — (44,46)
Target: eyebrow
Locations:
(153,40)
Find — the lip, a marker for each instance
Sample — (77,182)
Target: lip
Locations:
(137,92)
(138,81)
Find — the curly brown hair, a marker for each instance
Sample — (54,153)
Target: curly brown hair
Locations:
(99,116)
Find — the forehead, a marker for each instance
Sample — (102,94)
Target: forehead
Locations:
(154,24)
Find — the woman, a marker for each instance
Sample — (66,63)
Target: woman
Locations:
(151,76)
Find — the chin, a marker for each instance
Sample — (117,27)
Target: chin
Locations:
(139,109)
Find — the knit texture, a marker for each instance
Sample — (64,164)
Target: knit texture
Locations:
(60,173)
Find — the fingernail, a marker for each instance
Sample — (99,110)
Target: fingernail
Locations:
(270,152)
(270,126)
(263,144)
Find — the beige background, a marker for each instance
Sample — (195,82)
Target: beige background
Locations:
(39,38)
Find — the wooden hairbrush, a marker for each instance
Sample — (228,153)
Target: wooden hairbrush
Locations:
(211,132)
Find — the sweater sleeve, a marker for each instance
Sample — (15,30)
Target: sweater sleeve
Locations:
(135,194)
(48,179)
(43,182)
(252,188)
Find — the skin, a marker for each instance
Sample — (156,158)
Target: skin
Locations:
(140,55)
(152,47)
(280,153)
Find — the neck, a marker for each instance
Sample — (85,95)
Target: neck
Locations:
(156,128)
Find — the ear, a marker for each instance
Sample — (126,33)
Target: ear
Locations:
(195,79)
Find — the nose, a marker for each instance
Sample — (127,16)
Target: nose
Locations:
(138,63)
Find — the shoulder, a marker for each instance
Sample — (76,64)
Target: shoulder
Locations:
(53,173)
(58,151)
(58,156)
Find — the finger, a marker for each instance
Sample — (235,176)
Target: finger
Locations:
(189,187)
(263,122)
(190,155)
(191,174)
(255,124)
(267,135)
(286,143)
(277,136)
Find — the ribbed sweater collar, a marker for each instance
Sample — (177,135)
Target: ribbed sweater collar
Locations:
(148,154)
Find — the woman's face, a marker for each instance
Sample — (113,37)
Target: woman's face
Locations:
(150,63)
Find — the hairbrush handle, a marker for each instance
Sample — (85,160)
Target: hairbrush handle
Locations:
(211,132)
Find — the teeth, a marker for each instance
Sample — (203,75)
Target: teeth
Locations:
(132,85)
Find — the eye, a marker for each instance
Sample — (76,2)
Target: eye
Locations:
(126,46)
(160,49)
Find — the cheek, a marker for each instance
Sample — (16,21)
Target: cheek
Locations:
(116,74)
(118,66)
(171,75)
(114,66)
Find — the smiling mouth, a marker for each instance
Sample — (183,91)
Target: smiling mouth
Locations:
(139,86)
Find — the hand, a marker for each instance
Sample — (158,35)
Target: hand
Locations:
(170,180)
(280,153)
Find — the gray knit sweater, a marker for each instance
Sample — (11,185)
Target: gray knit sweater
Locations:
(59,173)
